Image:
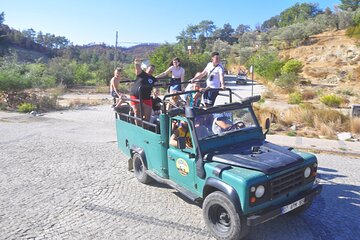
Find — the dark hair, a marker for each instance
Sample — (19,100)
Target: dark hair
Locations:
(119,69)
(175,59)
(215,54)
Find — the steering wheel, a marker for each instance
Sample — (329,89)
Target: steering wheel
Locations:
(237,125)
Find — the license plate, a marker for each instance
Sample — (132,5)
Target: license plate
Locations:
(292,206)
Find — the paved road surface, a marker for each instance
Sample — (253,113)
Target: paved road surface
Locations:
(62,177)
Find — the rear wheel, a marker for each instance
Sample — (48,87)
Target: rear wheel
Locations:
(140,169)
(221,217)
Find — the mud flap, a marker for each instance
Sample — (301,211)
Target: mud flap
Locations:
(130,164)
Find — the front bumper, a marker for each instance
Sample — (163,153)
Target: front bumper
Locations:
(273,212)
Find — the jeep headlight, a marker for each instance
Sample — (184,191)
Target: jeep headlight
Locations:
(307,172)
(260,191)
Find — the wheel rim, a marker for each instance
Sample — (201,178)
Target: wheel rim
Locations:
(220,218)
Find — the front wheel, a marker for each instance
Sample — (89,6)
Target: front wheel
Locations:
(140,169)
(221,217)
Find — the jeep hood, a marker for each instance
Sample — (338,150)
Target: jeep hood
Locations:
(261,156)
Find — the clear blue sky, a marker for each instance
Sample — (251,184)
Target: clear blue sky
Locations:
(157,21)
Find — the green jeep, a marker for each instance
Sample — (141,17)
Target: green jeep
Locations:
(238,178)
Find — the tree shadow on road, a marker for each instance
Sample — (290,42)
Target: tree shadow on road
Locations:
(334,214)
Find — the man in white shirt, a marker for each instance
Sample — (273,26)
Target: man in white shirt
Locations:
(215,79)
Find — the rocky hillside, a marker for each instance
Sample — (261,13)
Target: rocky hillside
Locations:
(331,60)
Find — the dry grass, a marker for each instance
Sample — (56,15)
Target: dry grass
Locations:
(268,94)
(355,125)
(315,73)
(310,121)
(262,113)
(308,94)
(102,89)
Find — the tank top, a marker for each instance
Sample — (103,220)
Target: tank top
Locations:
(185,133)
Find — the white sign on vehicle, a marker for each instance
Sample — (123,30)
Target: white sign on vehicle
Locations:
(292,206)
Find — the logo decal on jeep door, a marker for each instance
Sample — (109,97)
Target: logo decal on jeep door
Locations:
(182,166)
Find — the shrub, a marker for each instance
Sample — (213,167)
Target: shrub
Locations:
(295,98)
(268,94)
(286,80)
(291,133)
(308,94)
(26,107)
(292,66)
(331,100)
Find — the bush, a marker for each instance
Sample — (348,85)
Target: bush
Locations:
(26,107)
(331,100)
(286,80)
(295,98)
(292,66)
(12,78)
(308,94)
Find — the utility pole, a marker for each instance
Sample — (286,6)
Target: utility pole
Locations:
(115,55)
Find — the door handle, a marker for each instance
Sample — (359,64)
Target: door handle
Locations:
(171,158)
(145,141)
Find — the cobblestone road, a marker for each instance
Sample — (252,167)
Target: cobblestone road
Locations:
(62,177)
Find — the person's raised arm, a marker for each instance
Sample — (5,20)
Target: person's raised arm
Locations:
(137,63)
(182,77)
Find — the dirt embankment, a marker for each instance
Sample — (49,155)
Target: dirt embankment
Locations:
(330,60)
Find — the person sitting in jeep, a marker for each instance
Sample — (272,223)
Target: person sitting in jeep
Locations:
(181,131)
(223,122)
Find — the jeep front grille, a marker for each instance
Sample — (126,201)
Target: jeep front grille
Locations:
(285,183)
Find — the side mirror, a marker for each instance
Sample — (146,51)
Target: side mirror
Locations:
(267,126)
(181,142)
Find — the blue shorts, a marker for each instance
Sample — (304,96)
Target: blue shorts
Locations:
(210,97)
(175,84)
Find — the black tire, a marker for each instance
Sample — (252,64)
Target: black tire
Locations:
(300,209)
(140,169)
(222,219)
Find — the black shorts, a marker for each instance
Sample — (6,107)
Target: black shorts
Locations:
(210,97)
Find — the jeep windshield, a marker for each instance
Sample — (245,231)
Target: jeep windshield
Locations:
(215,124)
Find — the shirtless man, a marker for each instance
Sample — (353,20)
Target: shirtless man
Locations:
(114,86)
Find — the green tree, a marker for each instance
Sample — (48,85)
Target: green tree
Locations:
(298,13)
(270,23)
(241,29)
(63,70)
(82,74)
(267,64)
(226,33)
(351,5)
(206,28)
